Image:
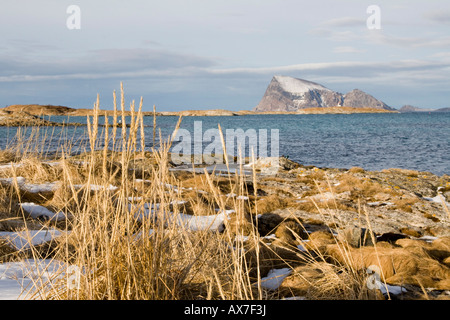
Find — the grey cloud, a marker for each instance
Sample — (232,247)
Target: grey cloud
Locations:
(158,64)
(438,16)
(411,42)
(345,22)
(339,29)
(99,64)
(347,49)
(118,59)
(336,35)
(382,38)
(343,68)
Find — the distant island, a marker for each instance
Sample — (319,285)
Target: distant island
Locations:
(409,108)
(292,94)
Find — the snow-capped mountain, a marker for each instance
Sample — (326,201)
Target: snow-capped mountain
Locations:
(290,94)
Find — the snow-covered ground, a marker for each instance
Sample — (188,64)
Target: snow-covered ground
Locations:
(39,212)
(438,199)
(22,240)
(18,280)
(50,186)
(274,278)
(190,222)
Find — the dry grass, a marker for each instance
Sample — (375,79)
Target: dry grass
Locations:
(406,172)
(312,177)
(356,170)
(361,188)
(271,203)
(7,253)
(7,156)
(405,204)
(313,206)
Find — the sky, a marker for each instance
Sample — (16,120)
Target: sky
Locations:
(216,54)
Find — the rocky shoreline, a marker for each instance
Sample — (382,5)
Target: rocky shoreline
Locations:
(24,119)
(400,217)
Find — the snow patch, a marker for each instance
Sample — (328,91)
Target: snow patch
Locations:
(298,86)
(22,240)
(95,187)
(31,187)
(274,278)
(10,181)
(301,247)
(41,188)
(428,238)
(438,199)
(395,290)
(17,278)
(190,222)
(10,165)
(37,211)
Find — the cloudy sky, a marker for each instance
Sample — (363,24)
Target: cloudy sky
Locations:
(207,54)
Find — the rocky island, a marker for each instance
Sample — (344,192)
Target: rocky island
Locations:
(292,94)
(23,118)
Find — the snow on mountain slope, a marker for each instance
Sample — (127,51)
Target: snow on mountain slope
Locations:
(297,86)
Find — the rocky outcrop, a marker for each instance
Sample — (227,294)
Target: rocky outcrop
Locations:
(291,94)
(37,110)
(50,110)
(359,99)
(21,118)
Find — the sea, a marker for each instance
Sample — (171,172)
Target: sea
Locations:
(416,141)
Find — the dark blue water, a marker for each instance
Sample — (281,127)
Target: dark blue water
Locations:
(419,141)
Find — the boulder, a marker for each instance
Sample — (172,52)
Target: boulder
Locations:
(290,232)
(397,266)
(268,223)
(390,237)
(271,165)
(302,278)
(266,258)
(239,224)
(318,242)
(357,237)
